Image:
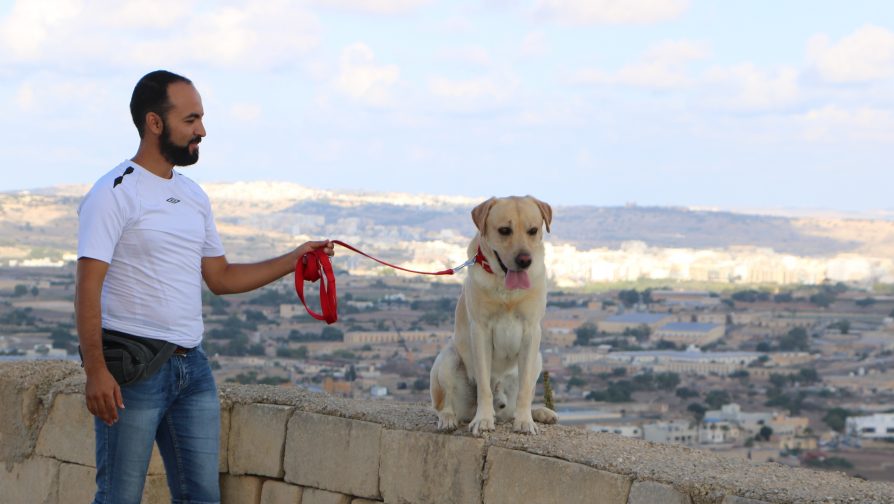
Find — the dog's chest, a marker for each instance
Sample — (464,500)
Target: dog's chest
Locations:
(508,332)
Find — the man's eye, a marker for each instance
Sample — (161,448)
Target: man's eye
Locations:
(505,231)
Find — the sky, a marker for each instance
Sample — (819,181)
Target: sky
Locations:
(763,104)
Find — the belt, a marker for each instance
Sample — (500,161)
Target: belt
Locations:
(182,350)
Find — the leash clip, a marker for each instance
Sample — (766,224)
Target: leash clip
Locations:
(464,265)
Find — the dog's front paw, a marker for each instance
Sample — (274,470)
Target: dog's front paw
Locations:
(545,416)
(481,423)
(524,424)
(446,421)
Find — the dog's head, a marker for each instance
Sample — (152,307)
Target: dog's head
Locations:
(512,229)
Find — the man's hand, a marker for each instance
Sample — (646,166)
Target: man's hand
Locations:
(327,246)
(103,395)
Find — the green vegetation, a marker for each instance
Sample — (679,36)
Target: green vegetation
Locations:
(836,418)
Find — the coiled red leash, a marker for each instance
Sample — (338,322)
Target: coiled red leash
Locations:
(315,265)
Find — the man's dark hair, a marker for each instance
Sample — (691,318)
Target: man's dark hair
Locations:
(151,95)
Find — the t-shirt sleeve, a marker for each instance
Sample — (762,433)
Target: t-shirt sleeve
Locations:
(101,221)
(213,246)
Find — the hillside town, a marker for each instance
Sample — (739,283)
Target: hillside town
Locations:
(797,375)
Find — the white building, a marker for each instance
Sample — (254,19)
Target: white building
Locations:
(877,426)
(675,431)
(626,430)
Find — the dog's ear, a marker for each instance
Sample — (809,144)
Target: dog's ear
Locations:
(479,214)
(546,211)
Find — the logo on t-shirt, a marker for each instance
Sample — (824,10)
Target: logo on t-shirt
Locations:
(172,200)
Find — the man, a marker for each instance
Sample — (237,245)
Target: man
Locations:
(146,241)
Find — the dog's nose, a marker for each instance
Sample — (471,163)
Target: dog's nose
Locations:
(523,260)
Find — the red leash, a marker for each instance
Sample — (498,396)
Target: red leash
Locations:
(316,265)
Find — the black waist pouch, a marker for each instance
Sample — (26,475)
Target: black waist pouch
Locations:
(133,358)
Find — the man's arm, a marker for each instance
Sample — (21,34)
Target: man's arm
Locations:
(225,278)
(102,391)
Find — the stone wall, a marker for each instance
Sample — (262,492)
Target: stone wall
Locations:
(291,446)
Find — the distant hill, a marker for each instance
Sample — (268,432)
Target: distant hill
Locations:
(255,215)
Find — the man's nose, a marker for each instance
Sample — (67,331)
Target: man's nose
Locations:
(523,260)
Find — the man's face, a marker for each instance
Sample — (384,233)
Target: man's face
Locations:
(183,128)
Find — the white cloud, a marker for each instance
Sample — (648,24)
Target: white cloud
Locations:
(534,44)
(661,66)
(610,11)
(362,79)
(474,55)
(486,90)
(25,96)
(254,34)
(837,124)
(747,87)
(865,55)
(374,6)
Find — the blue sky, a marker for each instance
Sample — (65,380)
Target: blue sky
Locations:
(733,105)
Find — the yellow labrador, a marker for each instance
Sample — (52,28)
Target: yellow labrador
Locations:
(494,360)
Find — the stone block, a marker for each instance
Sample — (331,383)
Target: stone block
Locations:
(734,499)
(223,464)
(240,489)
(77,483)
(33,481)
(365,501)
(278,492)
(432,468)
(333,453)
(156,490)
(317,496)
(257,438)
(23,390)
(650,492)
(68,434)
(515,476)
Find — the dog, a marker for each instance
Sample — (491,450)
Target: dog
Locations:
(489,371)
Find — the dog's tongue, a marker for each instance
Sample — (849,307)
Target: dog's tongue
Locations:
(517,280)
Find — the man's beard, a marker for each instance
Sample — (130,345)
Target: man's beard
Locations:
(175,154)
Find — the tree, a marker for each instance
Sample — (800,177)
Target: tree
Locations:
(778,380)
(865,302)
(808,375)
(330,333)
(35,291)
(764,346)
(697,410)
(765,433)
(686,393)
(19,290)
(351,375)
(574,381)
(420,384)
(717,398)
(844,326)
(584,333)
(667,381)
(641,332)
(836,418)
(629,297)
(795,340)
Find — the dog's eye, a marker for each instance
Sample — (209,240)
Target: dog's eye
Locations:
(505,231)
(532,231)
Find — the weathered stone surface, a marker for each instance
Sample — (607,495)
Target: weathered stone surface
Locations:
(432,468)
(77,483)
(155,490)
(68,434)
(364,501)
(734,499)
(24,390)
(257,438)
(223,465)
(278,492)
(240,489)
(33,481)
(650,492)
(514,476)
(333,453)
(316,496)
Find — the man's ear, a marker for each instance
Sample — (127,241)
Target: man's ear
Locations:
(479,214)
(546,211)
(154,123)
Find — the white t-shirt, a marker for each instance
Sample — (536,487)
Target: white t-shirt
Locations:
(153,232)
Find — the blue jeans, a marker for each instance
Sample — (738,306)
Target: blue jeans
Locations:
(178,408)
